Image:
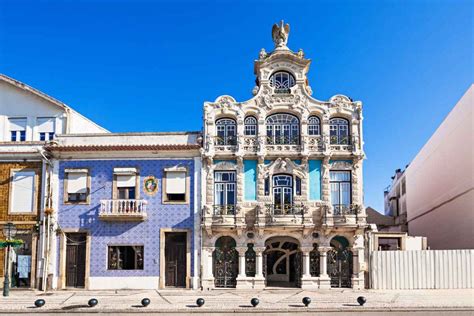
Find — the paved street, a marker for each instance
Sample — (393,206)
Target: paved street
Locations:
(274,301)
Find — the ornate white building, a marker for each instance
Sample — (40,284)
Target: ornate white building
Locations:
(282,183)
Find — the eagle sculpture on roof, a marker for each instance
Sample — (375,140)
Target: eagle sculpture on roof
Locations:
(280,34)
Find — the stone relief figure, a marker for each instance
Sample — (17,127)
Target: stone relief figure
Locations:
(280,34)
(262,54)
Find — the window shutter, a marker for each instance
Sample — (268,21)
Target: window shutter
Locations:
(175,182)
(45,124)
(128,180)
(23,189)
(77,182)
(17,124)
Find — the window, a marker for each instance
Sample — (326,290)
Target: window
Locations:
(226,132)
(297,186)
(340,190)
(76,185)
(404,186)
(282,191)
(45,128)
(175,186)
(250,126)
(125,258)
(17,129)
(22,191)
(283,128)
(282,81)
(339,131)
(389,243)
(314,127)
(225,187)
(125,183)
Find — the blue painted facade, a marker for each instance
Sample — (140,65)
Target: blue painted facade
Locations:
(250,182)
(314,179)
(146,233)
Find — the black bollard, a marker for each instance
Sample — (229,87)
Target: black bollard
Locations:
(306,301)
(40,302)
(145,302)
(92,302)
(200,302)
(361,300)
(254,301)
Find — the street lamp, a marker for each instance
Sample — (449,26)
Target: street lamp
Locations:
(9,231)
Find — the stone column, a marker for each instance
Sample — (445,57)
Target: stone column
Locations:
(358,280)
(207,273)
(307,281)
(324,280)
(242,281)
(259,280)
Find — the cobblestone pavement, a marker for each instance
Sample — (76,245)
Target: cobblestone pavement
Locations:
(274,301)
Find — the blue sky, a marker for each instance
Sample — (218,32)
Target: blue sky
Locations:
(150,65)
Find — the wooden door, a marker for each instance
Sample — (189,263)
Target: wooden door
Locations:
(175,259)
(75,259)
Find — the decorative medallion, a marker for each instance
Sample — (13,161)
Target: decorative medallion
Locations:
(150,185)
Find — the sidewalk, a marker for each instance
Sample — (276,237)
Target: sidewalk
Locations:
(237,301)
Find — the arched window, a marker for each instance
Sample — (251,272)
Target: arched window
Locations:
(339,131)
(282,81)
(250,125)
(226,132)
(283,129)
(314,127)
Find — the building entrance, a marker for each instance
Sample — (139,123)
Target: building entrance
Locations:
(282,262)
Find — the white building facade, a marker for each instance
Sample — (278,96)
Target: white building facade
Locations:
(282,189)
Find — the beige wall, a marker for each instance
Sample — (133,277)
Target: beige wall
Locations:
(440,182)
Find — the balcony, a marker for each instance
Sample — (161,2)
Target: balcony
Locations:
(344,144)
(342,215)
(284,209)
(218,217)
(123,210)
(283,143)
(289,215)
(225,144)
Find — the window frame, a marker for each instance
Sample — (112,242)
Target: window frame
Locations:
(234,182)
(65,188)
(227,140)
(277,127)
(339,182)
(314,126)
(115,192)
(21,133)
(284,84)
(164,195)
(49,136)
(35,191)
(283,191)
(107,262)
(248,126)
(338,126)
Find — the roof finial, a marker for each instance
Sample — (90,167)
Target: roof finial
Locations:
(280,34)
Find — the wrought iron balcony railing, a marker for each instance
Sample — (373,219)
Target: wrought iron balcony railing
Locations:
(225,141)
(228,209)
(285,209)
(283,140)
(345,209)
(123,209)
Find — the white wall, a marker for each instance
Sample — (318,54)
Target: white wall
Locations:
(423,269)
(440,182)
(15,102)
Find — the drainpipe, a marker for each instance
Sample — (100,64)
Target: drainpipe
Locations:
(47,222)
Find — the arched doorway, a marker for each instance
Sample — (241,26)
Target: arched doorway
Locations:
(340,263)
(282,262)
(225,262)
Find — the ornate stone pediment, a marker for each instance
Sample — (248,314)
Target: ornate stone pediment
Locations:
(284,165)
(225,165)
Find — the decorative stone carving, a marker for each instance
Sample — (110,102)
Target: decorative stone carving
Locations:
(283,165)
(263,54)
(280,34)
(341,165)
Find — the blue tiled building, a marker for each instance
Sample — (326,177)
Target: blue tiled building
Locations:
(126,213)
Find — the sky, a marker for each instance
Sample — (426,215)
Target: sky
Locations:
(150,65)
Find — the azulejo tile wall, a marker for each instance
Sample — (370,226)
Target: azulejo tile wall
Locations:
(146,233)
